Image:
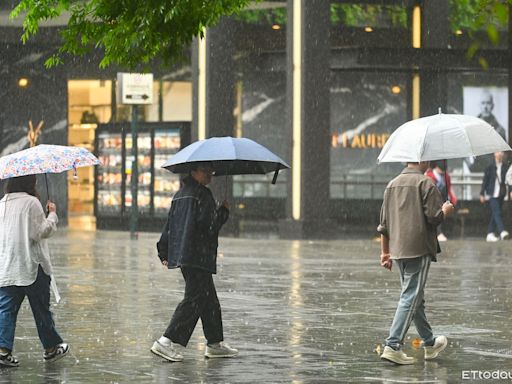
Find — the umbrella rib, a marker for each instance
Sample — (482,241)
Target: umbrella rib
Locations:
(423,143)
(466,136)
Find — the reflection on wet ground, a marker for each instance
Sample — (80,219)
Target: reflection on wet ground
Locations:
(299,312)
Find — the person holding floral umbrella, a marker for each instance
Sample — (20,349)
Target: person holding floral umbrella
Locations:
(25,267)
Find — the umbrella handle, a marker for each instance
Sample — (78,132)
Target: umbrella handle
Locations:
(274,179)
(226,188)
(446,180)
(46,182)
(47,191)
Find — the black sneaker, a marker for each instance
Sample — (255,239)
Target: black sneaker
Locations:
(8,360)
(59,352)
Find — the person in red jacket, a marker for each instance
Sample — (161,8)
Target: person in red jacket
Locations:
(437,172)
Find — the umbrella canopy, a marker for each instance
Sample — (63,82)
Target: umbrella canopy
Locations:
(228,156)
(45,158)
(442,136)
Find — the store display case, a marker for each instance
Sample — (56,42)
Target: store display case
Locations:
(166,144)
(109,175)
(156,186)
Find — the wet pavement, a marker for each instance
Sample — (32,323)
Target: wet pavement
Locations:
(298,311)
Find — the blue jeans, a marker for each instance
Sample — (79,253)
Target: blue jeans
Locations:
(496,223)
(411,307)
(38,294)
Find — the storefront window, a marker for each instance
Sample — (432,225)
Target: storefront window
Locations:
(365,109)
(274,15)
(261,116)
(177,100)
(89,104)
(356,25)
(260,111)
(90,101)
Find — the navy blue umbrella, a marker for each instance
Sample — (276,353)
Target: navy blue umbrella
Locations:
(227,156)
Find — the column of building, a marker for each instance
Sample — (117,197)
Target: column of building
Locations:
(435,33)
(308,100)
(214,97)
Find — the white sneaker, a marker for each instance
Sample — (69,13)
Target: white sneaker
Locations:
(439,345)
(491,237)
(167,352)
(59,352)
(504,235)
(441,237)
(8,360)
(397,357)
(220,349)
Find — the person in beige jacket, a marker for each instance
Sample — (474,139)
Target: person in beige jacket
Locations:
(411,211)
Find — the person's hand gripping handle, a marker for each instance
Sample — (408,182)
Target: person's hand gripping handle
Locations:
(447,208)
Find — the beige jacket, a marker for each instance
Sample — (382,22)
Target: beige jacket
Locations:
(410,213)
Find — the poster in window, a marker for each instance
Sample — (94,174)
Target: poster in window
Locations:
(489,104)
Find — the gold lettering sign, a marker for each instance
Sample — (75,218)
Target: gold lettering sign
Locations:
(360,141)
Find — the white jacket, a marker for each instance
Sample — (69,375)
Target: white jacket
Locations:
(23,233)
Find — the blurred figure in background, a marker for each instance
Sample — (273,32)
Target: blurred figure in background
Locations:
(493,192)
(437,172)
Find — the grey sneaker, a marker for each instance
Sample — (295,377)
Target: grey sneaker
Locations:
(220,349)
(440,344)
(58,353)
(397,357)
(8,360)
(167,352)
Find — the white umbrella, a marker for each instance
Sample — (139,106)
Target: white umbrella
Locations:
(442,136)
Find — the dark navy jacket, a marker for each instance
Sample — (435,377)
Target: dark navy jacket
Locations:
(190,236)
(490,179)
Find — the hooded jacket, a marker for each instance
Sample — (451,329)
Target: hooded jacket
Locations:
(190,235)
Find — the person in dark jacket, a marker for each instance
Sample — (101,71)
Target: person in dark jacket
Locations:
(189,241)
(493,191)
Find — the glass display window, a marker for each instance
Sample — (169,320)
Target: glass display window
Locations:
(144,176)
(377,25)
(109,172)
(365,109)
(167,143)
(156,143)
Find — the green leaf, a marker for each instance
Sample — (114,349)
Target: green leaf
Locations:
(483,63)
(473,48)
(493,34)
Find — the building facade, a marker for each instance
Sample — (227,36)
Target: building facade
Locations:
(320,83)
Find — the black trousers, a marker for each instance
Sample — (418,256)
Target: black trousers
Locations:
(200,301)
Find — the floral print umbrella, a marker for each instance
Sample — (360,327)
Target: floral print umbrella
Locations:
(45,158)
